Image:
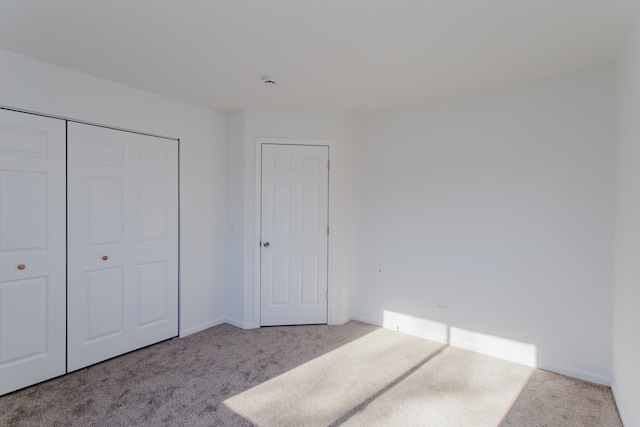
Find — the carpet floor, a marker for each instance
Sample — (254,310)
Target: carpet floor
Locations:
(354,375)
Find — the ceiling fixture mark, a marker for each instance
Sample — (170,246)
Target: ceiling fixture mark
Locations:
(269,80)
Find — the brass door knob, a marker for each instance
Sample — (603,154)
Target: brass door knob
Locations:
(104,258)
(22,267)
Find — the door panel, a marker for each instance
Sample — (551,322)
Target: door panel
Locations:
(32,249)
(105,218)
(295,190)
(123,242)
(23,302)
(151,207)
(23,198)
(311,211)
(281,206)
(309,276)
(153,288)
(281,275)
(104,308)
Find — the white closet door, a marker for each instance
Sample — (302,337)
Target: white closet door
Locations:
(32,249)
(122,242)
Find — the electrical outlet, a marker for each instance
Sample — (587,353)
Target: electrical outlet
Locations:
(440,305)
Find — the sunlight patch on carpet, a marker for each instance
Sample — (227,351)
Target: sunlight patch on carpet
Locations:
(387,377)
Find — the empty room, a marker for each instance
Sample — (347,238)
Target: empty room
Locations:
(320,213)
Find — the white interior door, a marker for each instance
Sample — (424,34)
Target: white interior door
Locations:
(293,267)
(32,249)
(122,242)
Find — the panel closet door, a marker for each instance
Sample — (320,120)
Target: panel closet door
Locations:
(32,249)
(122,242)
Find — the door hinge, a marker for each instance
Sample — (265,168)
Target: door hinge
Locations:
(327,230)
(327,294)
(328,164)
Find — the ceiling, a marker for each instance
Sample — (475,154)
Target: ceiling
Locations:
(352,56)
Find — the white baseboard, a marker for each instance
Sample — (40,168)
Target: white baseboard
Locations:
(617,402)
(365,320)
(576,373)
(502,348)
(241,325)
(339,321)
(409,325)
(186,332)
(442,333)
(416,326)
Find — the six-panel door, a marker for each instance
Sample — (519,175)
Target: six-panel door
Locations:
(32,249)
(293,271)
(122,242)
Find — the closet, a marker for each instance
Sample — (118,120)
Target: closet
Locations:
(88,270)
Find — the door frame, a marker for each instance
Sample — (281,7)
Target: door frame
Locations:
(258,222)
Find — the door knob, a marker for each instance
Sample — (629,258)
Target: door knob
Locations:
(21,267)
(266,244)
(104,258)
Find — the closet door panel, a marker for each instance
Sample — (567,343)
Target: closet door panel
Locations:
(152,283)
(155,235)
(123,242)
(104,306)
(24,196)
(32,249)
(105,215)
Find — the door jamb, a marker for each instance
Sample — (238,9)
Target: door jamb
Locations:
(258,219)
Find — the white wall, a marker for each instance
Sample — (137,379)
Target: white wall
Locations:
(626,286)
(235,214)
(499,204)
(32,85)
(245,127)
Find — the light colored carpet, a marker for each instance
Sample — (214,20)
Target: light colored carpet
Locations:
(354,374)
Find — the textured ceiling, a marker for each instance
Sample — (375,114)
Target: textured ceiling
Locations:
(328,55)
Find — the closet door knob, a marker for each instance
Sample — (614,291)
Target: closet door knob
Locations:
(104,258)
(21,267)
(266,244)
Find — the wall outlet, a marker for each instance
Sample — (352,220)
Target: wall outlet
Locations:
(440,305)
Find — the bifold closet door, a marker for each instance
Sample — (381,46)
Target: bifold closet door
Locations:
(32,249)
(122,242)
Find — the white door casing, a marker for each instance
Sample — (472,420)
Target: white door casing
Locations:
(122,242)
(294,234)
(32,249)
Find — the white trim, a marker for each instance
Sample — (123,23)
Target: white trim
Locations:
(241,325)
(615,400)
(365,320)
(341,321)
(220,321)
(502,348)
(257,215)
(406,328)
(576,373)
(84,122)
(201,327)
